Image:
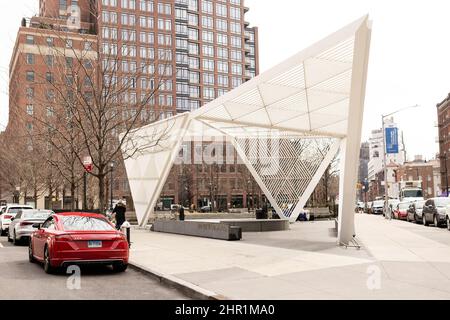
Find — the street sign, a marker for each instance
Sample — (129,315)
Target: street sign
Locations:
(391,140)
(87,163)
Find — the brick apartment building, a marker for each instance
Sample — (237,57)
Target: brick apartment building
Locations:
(205,47)
(443,113)
(425,171)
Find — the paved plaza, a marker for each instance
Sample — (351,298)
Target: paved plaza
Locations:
(398,260)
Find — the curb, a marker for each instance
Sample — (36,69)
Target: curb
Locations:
(189,289)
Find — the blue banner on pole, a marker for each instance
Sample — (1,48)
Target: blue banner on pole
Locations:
(391,140)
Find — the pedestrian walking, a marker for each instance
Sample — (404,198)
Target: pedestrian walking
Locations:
(119,214)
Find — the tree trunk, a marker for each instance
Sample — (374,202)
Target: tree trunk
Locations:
(35,196)
(101,192)
(72,194)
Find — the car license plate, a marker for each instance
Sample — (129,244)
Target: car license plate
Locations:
(94,244)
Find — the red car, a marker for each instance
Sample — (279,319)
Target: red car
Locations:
(76,239)
(401,210)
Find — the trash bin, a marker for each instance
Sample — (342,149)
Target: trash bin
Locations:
(261,214)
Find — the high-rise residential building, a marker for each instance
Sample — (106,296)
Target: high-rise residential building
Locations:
(193,50)
(443,113)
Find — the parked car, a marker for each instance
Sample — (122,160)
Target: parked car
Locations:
(415,212)
(205,209)
(78,238)
(401,210)
(21,226)
(434,211)
(377,207)
(7,213)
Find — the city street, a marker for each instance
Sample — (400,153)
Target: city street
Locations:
(19,279)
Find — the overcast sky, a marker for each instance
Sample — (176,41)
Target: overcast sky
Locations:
(409,62)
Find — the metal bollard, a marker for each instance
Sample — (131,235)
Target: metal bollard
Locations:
(126,225)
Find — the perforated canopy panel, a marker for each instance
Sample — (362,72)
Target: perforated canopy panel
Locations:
(304,110)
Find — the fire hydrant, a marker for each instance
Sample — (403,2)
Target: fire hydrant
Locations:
(126,228)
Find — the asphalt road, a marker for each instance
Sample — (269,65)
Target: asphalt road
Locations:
(20,279)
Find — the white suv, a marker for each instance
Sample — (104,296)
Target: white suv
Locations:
(7,213)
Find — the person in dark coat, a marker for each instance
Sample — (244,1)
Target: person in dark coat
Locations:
(181,211)
(119,213)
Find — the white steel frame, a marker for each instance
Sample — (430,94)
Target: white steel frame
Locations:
(315,97)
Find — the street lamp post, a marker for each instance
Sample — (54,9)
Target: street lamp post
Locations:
(386,184)
(111,187)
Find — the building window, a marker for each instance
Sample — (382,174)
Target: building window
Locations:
(194,48)
(194,77)
(193,34)
(208,36)
(29,93)
(164,8)
(207,6)
(50,111)
(236,68)
(63,5)
(222,53)
(193,5)
(208,65)
(208,93)
(49,77)
(29,39)
(49,41)
(222,39)
(221,10)
(236,55)
(235,27)
(49,60)
(222,80)
(129,4)
(30,76)
(208,50)
(235,13)
(193,19)
(221,25)
(111,3)
(69,62)
(222,66)
(30,58)
(207,22)
(181,14)
(236,42)
(146,5)
(30,109)
(194,92)
(208,79)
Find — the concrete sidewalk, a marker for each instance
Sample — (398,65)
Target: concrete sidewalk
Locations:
(398,261)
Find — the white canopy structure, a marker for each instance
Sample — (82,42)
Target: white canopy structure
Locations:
(286,125)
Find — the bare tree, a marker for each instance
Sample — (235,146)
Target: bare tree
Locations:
(94,98)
